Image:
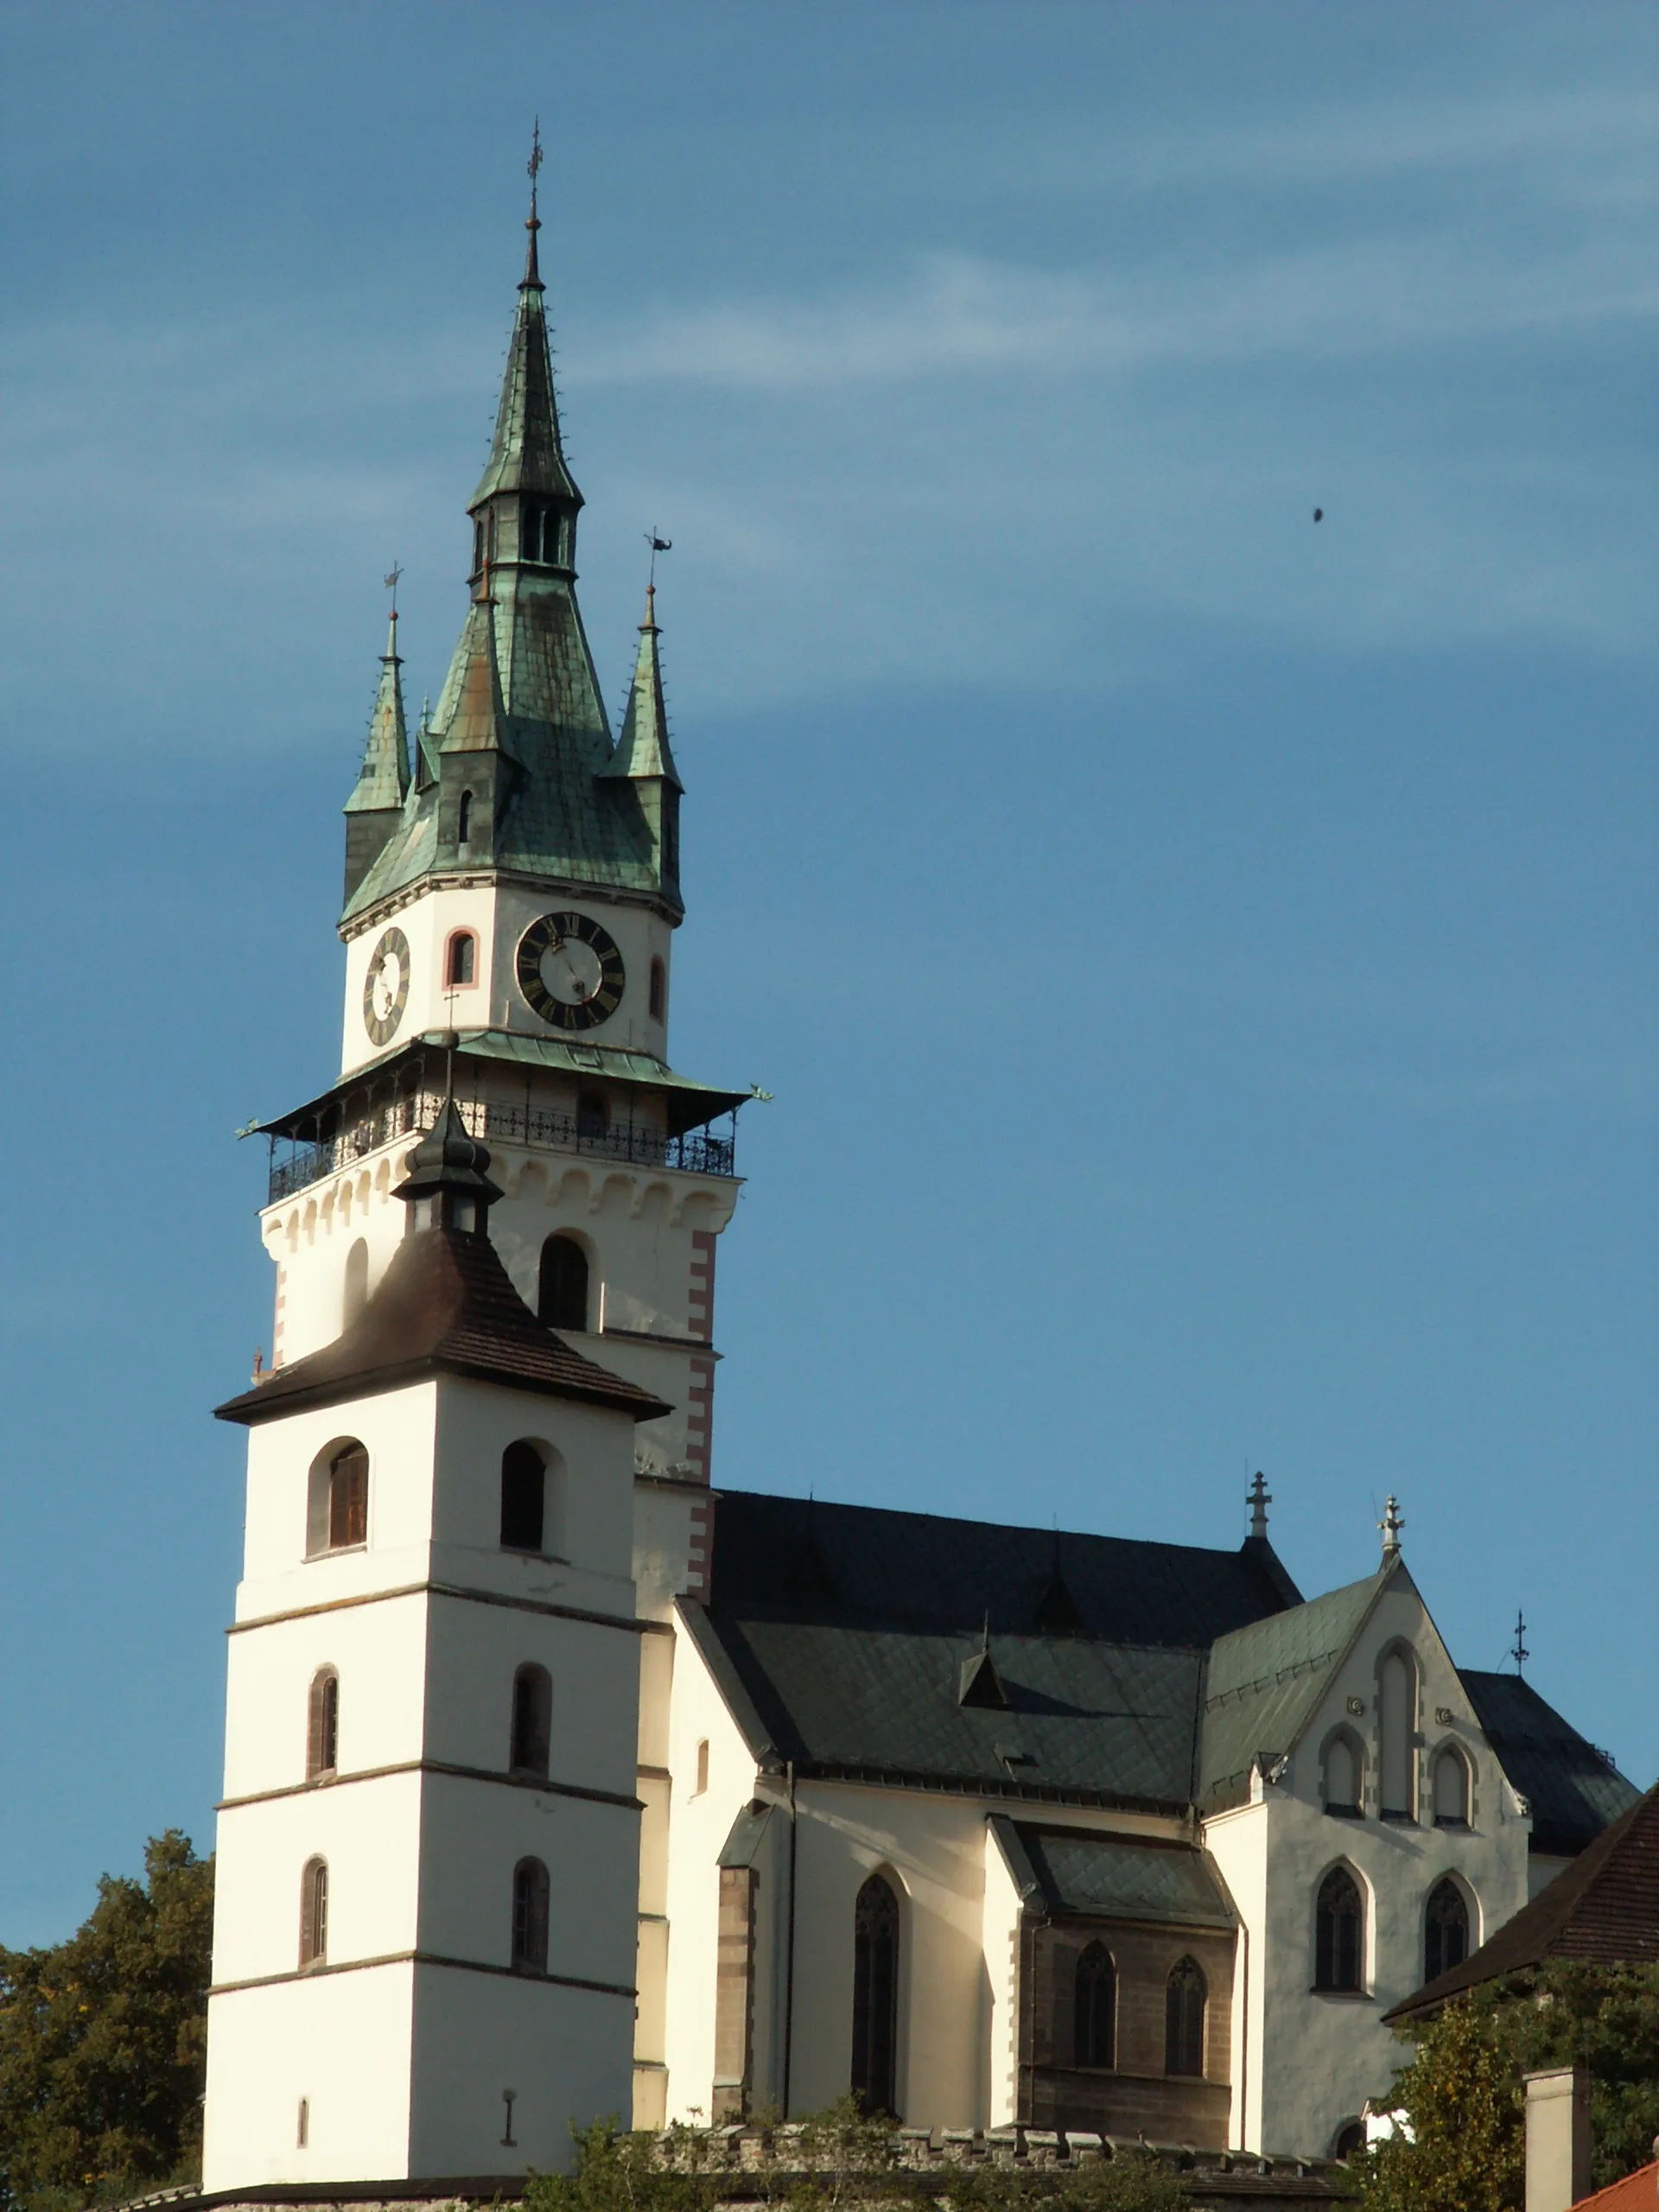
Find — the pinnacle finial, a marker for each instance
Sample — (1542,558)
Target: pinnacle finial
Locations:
(532,221)
(390,653)
(1259,1497)
(1392,1522)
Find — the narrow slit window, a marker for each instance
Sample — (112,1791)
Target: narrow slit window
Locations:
(532,1720)
(314,1913)
(355,1293)
(659,991)
(464,819)
(322,1729)
(529,1902)
(523,1498)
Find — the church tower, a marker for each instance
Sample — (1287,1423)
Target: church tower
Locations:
(479,1464)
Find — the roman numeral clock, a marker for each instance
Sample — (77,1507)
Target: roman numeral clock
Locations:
(571,971)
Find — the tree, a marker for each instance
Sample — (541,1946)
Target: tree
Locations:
(1462,2097)
(102,2042)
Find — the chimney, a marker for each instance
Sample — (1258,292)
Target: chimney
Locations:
(1558,2138)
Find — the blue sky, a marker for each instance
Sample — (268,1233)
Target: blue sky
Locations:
(1204,960)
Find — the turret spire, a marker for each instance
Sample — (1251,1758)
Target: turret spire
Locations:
(646,758)
(376,803)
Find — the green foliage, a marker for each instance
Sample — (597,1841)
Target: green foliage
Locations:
(1463,2096)
(102,2042)
(834,2156)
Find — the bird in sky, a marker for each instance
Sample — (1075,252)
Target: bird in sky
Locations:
(1318,514)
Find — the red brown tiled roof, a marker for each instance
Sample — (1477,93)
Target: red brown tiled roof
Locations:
(445,1305)
(1604,1908)
(1639,2189)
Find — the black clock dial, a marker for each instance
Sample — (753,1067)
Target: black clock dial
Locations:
(571,971)
(385,989)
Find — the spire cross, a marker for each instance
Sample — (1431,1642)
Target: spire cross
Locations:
(1259,1497)
(1392,1522)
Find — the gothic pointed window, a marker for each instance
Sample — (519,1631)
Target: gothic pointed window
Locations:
(1094,2016)
(563,1300)
(314,1913)
(1445,1930)
(1450,1788)
(1344,1768)
(875,1996)
(461,963)
(322,1725)
(1185,2000)
(530,1901)
(523,1498)
(1397,1719)
(1339,1934)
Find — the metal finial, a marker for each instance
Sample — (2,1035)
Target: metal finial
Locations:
(1518,1650)
(532,167)
(533,276)
(658,546)
(1259,1497)
(1392,1522)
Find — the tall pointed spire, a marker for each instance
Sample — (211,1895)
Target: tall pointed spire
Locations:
(377,802)
(527,454)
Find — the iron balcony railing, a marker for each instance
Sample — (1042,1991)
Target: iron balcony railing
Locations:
(699,1151)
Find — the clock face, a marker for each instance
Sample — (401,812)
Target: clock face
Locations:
(385,989)
(571,971)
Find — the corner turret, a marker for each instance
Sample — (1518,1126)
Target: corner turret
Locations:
(644,758)
(376,805)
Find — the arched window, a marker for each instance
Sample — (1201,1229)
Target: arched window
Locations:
(337,1516)
(1445,1930)
(875,1996)
(322,1724)
(1184,2000)
(523,1498)
(464,819)
(592,1115)
(461,964)
(355,1295)
(1094,2016)
(1451,1789)
(563,1303)
(1397,1758)
(529,1893)
(1340,1933)
(314,1912)
(1350,2140)
(659,991)
(532,1720)
(1344,1768)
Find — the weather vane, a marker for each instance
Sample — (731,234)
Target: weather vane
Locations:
(391,586)
(658,546)
(1518,1650)
(533,165)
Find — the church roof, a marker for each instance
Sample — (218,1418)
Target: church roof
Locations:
(1603,1909)
(839,1634)
(445,1305)
(1265,1682)
(1128,1674)
(1573,1790)
(1086,1876)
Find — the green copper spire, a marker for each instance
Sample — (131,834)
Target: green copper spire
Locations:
(555,814)
(373,810)
(645,758)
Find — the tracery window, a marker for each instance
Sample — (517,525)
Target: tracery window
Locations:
(1446,1929)
(530,1899)
(1185,2000)
(875,1996)
(1340,1933)
(1095,2009)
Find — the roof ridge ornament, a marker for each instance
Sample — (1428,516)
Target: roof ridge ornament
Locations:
(1392,1522)
(1259,1497)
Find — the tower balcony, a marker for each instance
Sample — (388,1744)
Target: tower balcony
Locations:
(696,1152)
